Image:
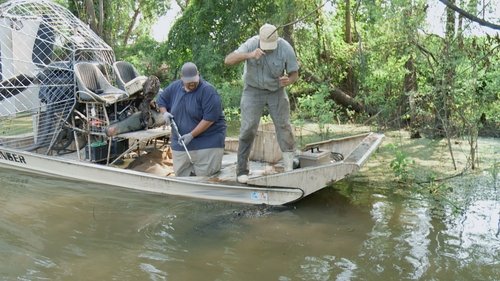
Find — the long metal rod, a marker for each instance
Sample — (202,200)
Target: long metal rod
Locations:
(180,140)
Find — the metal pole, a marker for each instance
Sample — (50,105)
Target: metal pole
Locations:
(181,141)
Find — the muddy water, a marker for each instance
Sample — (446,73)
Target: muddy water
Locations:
(362,229)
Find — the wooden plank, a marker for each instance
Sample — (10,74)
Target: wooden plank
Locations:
(146,134)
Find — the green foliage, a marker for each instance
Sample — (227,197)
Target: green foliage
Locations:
(438,189)
(266,119)
(211,29)
(389,31)
(123,21)
(316,108)
(384,82)
(328,60)
(230,93)
(60,2)
(146,55)
(477,90)
(457,76)
(401,164)
(232,114)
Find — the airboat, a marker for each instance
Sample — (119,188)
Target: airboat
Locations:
(68,109)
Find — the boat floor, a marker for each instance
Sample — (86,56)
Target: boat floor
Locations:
(155,160)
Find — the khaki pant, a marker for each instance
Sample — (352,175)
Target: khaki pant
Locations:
(252,105)
(207,162)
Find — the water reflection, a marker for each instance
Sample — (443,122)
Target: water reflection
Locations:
(409,240)
(55,229)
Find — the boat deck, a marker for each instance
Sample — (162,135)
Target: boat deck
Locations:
(148,152)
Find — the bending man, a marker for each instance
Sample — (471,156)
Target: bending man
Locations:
(197,108)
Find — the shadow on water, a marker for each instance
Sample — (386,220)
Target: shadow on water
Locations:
(316,207)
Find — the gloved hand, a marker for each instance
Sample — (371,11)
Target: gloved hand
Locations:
(167,116)
(187,138)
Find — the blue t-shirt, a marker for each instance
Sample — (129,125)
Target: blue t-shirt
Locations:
(189,108)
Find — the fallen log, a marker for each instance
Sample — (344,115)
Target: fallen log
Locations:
(339,96)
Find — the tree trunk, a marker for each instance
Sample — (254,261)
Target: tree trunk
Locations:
(410,87)
(101,18)
(287,34)
(348,35)
(288,29)
(108,37)
(91,17)
(131,25)
(349,83)
(442,110)
(319,48)
(444,99)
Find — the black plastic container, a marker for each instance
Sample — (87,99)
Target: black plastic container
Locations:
(99,150)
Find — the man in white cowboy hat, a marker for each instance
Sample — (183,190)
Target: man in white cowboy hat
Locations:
(270,66)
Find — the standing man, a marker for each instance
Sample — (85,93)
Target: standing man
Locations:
(270,66)
(197,108)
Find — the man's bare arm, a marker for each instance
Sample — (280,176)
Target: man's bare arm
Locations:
(236,57)
(289,79)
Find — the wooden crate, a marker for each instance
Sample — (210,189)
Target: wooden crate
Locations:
(265,146)
(231,144)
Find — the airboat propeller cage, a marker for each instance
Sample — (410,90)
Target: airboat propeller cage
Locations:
(40,42)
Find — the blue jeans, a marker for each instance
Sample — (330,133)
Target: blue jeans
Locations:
(252,105)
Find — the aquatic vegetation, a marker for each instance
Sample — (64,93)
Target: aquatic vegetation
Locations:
(401,164)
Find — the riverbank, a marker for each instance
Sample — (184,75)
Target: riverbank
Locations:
(417,168)
(402,161)
(425,158)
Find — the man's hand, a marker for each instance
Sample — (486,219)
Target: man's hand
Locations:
(167,116)
(284,81)
(288,79)
(257,53)
(187,138)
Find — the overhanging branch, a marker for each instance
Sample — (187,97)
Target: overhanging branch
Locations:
(469,16)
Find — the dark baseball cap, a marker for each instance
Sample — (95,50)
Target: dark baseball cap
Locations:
(189,73)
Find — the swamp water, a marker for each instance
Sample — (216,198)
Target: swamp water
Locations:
(364,228)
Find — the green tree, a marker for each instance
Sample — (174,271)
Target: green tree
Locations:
(119,23)
(210,29)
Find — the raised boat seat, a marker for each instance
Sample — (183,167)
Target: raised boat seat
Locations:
(127,77)
(94,87)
